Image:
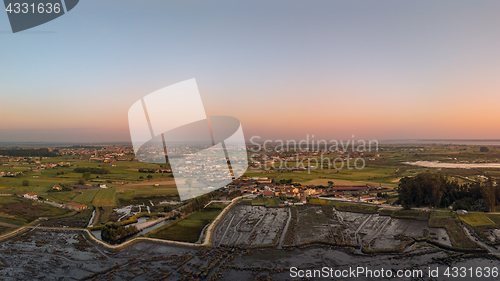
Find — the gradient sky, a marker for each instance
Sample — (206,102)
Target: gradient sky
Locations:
(375,69)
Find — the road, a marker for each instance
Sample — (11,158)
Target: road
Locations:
(8,225)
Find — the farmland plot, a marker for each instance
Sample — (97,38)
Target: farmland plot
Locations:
(251,226)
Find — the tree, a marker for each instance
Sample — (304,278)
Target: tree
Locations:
(189,182)
(26,182)
(484,149)
(81,181)
(488,191)
(87,176)
(150,177)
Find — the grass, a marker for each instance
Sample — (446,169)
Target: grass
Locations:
(106,215)
(62,197)
(457,234)
(411,214)
(448,214)
(149,191)
(11,221)
(105,198)
(347,207)
(385,212)
(25,211)
(268,202)
(79,220)
(189,229)
(495,218)
(86,197)
(4,229)
(477,219)
(355,208)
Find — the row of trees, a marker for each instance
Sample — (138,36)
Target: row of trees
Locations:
(35,152)
(436,190)
(101,171)
(115,231)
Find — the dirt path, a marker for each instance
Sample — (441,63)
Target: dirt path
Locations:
(359,228)
(8,225)
(280,245)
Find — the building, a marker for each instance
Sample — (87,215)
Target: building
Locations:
(462,212)
(57,187)
(349,189)
(31,196)
(367,198)
(75,206)
(309,192)
(268,193)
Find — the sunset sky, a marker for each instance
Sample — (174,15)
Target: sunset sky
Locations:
(374,69)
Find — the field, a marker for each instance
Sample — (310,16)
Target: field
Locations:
(62,197)
(477,219)
(373,231)
(251,226)
(79,220)
(315,223)
(347,207)
(17,210)
(411,214)
(457,235)
(105,198)
(268,202)
(190,228)
(86,197)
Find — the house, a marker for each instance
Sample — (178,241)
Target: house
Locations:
(366,198)
(31,196)
(75,206)
(350,188)
(103,186)
(267,193)
(57,187)
(303,200)
(309,192)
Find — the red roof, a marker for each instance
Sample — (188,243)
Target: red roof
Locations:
(267,192)
(78,205)
(350,188)
(31,194)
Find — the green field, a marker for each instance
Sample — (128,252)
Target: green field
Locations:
(189,229)
(4,229)
(268,202)
(411,214)
(16,210)
(62,197)
(86,197)
(105,198)
(149,191)
(347,207)
(477,219)
(494,217)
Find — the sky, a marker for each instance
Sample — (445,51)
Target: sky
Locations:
(286,69)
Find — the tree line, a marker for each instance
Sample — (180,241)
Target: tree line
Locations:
(101,171)
(436,190)
(115,231)
(35,152)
